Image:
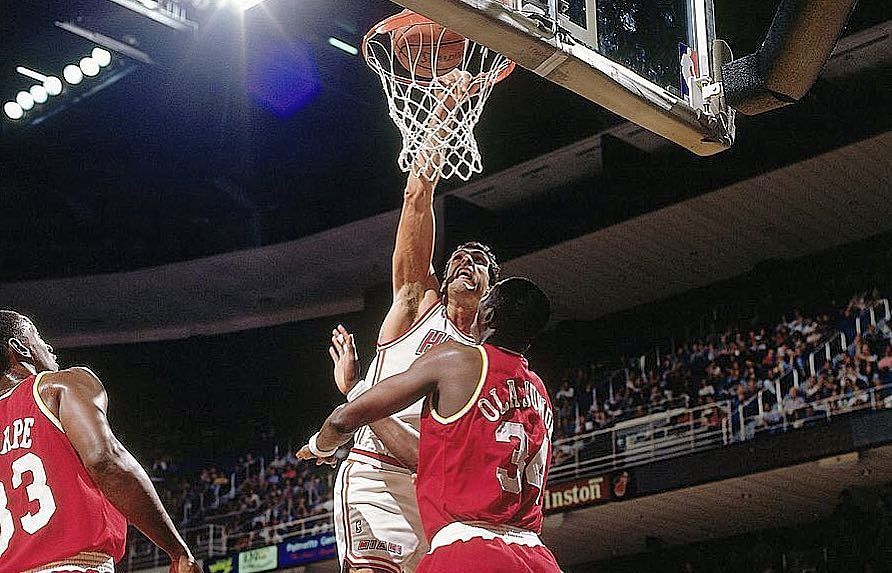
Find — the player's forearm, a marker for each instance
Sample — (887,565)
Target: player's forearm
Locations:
(400,439)
(128,487)
(414,244)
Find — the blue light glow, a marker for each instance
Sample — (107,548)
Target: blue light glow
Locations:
(281,76)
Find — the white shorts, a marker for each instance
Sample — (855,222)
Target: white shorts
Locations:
(86,562)
(376,518)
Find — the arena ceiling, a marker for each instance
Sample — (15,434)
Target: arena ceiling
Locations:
(170,205)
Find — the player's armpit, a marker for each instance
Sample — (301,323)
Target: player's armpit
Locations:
(388,397)
(400,439)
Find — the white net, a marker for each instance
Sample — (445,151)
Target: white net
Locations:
(434,98)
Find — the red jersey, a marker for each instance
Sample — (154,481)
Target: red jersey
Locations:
(50,508)
(488,462)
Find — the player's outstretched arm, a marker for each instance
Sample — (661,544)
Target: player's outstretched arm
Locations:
(384,399)
(82,406)
(414,282)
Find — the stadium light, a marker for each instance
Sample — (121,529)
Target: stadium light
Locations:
(53,85)
(89,66)
(344,46)
(13,110)
(241,5)
(101,56)
(39,94)
(24,100)
(72,74)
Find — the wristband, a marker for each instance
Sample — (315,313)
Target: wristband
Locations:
(314,449)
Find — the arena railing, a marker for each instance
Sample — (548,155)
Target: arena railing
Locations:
(781,418)
(205,541)
(875,314)
(213,541)
(638,441)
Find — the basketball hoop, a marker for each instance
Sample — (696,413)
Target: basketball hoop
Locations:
(418,62)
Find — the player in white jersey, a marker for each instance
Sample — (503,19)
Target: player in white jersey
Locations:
(377,524)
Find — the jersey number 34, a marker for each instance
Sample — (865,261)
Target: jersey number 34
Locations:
(530,470)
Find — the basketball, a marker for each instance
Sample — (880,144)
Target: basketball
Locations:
(420,48)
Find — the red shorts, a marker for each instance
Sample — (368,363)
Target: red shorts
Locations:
(489,556)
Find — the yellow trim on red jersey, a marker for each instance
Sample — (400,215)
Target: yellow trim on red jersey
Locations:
(42,406)
(473,399)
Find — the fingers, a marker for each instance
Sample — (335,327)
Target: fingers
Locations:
(339,335)
(334,355)
(342,342)
(305,454)
(352,342)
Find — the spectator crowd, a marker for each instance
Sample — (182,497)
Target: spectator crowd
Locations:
(254,500)
(733,367)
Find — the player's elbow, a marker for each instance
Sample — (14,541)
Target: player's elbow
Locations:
(342,421)
(108,460)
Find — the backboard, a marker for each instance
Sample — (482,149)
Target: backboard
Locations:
(654,62)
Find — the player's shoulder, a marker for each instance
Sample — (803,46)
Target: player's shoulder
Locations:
(78,378)
(452,350)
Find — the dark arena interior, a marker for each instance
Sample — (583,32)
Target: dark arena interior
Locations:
(192,221)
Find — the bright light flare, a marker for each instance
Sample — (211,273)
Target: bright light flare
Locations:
(241,5)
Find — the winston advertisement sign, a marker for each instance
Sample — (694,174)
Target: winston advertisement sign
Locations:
(585,492)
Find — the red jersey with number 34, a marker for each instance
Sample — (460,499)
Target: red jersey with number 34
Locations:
(50,508)
(488,462)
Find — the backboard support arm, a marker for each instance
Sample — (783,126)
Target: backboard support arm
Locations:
(796,47)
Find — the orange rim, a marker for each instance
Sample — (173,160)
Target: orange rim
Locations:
(409,18)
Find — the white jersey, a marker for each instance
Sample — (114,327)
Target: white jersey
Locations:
(394,357)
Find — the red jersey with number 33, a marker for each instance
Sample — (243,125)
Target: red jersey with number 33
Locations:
(50,508)
(488,463)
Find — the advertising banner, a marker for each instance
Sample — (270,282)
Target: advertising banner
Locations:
(585,492)
(308,550)
(228,564)
(256,560)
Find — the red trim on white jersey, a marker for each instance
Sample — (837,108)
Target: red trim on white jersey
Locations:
(415,324)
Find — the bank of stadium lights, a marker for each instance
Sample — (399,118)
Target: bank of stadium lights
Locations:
(51,86)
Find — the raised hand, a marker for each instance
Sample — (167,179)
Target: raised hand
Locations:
(345,359)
